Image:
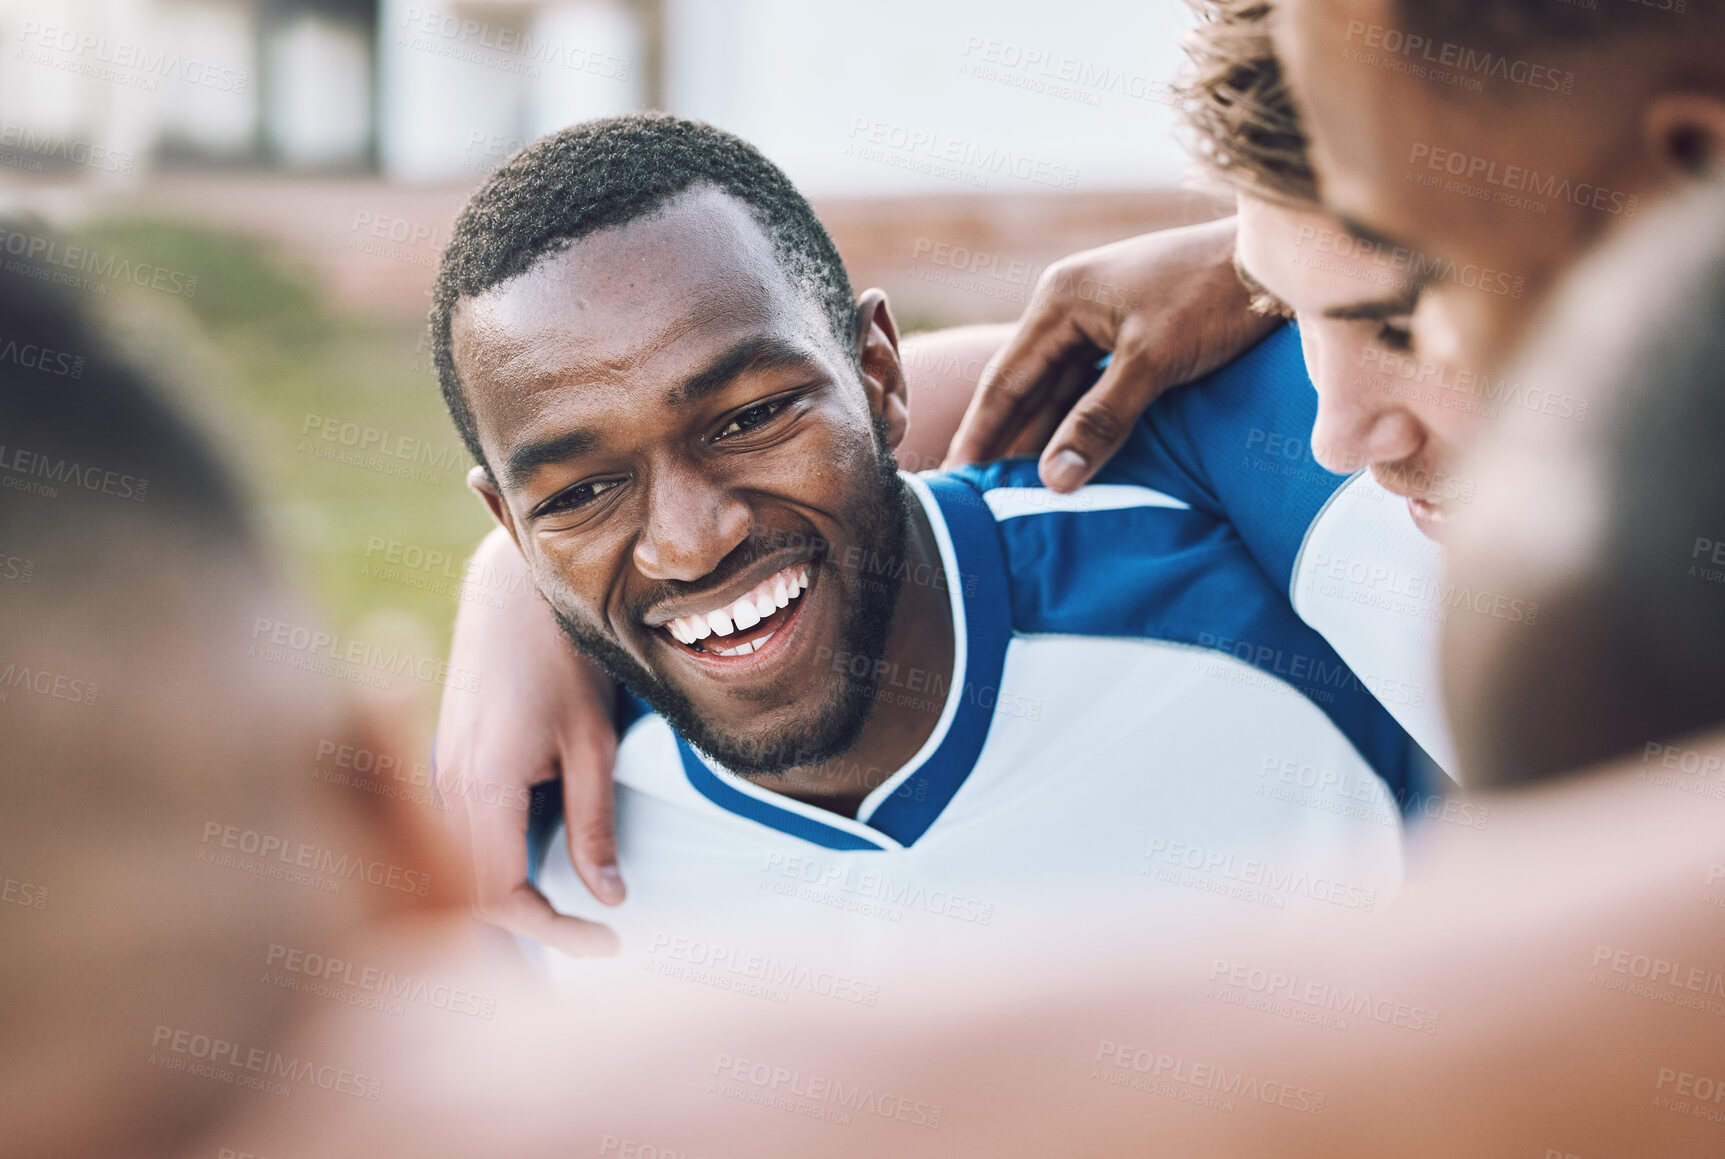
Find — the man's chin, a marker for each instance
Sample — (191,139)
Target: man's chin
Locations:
(776,749)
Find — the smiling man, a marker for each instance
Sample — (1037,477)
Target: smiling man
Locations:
(877,693)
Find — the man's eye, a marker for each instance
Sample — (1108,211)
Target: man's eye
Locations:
(754,417)
(577,496)
(1396,337)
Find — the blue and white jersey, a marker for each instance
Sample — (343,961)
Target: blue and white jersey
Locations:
(1237,446)
(1138,731)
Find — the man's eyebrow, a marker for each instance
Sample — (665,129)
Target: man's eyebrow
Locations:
(761,352)
(1366,233)
(1262,298)
(1377,310)
(528,458)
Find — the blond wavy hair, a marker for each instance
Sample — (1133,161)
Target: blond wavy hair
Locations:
(1240,123)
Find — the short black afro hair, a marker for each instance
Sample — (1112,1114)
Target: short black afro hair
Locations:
(605,173)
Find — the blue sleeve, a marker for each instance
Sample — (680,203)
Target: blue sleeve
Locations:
(1237,445)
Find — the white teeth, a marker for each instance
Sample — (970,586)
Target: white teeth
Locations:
(765,598)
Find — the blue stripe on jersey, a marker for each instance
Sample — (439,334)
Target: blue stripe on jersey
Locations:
(1235,447)
(1237,444)
(733,800)
(907,814)
(1183,576)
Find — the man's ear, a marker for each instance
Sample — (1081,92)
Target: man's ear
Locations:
(480,482)
(883,373)
(1685,133)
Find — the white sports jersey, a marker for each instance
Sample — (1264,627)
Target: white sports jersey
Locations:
(1138,734)
(1374,586)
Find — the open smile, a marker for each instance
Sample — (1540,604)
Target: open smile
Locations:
(748,624)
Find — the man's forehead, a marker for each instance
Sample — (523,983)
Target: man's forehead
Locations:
(1341,97)
(700,260)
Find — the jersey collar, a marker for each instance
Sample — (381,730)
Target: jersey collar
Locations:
(903,808)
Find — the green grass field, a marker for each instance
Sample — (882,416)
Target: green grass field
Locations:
(333,424)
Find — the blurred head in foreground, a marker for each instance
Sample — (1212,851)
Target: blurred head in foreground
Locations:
(1616,525)
(155,780)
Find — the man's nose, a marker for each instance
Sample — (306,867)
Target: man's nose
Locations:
(1363,423)
(692,524)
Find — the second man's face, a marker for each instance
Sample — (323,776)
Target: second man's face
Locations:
(1493,167)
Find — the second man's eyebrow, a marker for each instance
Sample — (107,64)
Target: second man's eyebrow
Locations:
(1262,299)
(761,352)
(1378,309)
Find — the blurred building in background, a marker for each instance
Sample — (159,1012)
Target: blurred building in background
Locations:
(954,147)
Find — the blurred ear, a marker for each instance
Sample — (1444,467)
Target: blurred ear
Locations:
(883,372)
(399,809)
(1685,133)
(480,482)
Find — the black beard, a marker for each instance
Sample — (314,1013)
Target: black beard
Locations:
(881,515)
